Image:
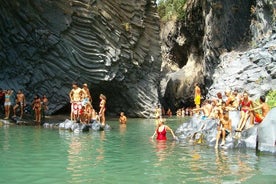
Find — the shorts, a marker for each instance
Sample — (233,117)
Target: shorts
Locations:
(258,118)
(76,107)
(227,132)
(197,100)
(20,104)
(7,103)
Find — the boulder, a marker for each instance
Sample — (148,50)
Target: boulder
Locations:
(204,131)
(267,133)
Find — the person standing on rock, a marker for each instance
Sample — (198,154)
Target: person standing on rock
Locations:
(20,102)
(86,96)
(102,109)
(44,106)
(197,97)
(2,99)
(37,109)
(7,103)
(76,101)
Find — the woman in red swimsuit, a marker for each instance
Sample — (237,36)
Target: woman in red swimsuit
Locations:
(161,131)
(246,104)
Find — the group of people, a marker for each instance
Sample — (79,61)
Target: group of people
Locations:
(81,105)
(39,105)
(219,109)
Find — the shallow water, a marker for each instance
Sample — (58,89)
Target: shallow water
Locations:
(123,155)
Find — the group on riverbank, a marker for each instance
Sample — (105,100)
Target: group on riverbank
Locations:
(8,101)
(219,108)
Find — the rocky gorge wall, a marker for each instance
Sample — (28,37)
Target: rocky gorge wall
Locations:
(111,45)
(221,45)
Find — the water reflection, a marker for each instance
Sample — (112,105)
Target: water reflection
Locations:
(100,149)
(163,150)
(122,128)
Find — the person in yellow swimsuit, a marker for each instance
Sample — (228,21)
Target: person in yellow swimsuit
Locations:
(197,97)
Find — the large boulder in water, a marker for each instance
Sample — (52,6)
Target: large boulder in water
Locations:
(267,133)
(200,130)
(97,126)
(66,125)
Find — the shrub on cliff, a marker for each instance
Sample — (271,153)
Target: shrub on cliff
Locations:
(171,9)
(271,99)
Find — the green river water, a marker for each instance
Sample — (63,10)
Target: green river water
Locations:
(123,155)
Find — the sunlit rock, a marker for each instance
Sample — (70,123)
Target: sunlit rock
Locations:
(267,133)
(204,131)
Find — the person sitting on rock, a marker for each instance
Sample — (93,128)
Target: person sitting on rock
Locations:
(245,104)
(230,100)
(265,109)
(94,116)
(88,112)
(206,109)
(224,128)
(236,99)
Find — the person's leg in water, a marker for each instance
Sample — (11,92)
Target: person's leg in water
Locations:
(217,138)
(223,137)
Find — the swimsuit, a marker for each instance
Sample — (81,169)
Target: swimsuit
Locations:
(245,105)
(7,103)
(258,118)
(161,135)
(76,107)
(7,100)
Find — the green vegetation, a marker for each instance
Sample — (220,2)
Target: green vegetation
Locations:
(171,10)
(271,98)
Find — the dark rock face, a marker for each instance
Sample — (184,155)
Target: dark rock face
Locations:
(112,45)
(194,48)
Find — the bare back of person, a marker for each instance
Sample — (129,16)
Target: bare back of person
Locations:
(265,109)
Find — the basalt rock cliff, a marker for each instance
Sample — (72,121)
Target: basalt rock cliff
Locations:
(114,47)
(221,45)
(111,45)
